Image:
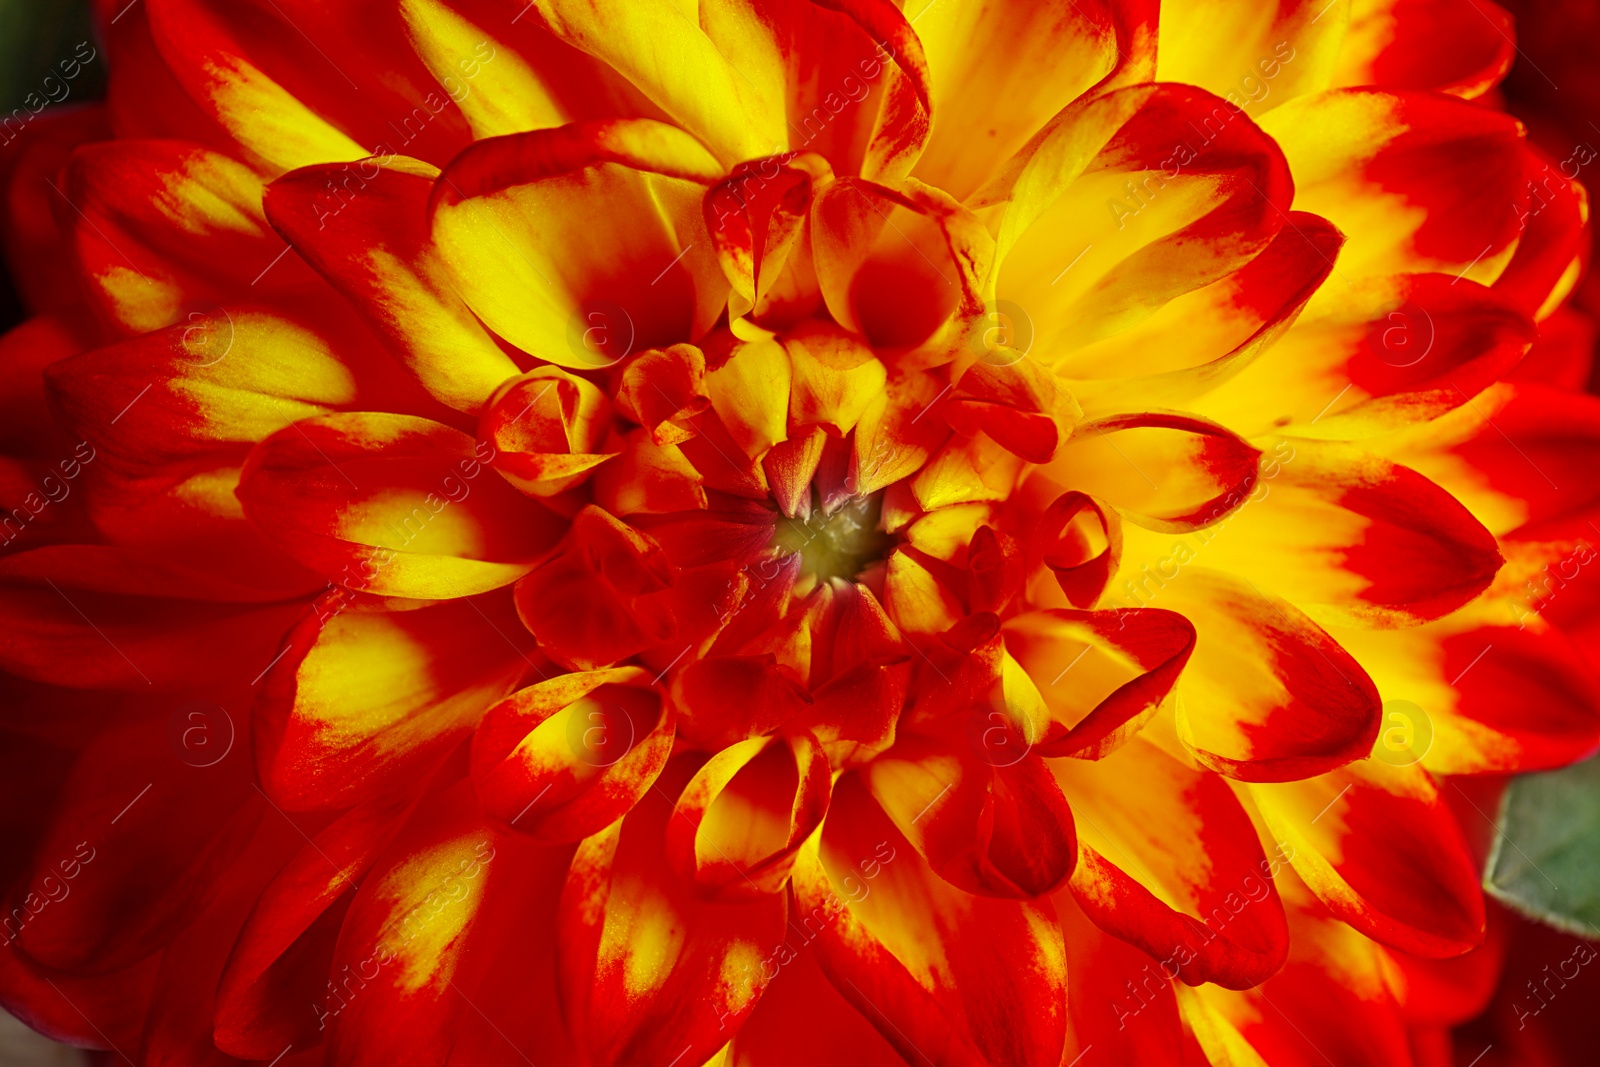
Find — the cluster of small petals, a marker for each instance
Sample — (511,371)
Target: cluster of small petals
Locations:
(786,531)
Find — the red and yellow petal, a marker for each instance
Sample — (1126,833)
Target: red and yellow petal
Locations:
(966,978)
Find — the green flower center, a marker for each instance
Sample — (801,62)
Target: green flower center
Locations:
(837,544)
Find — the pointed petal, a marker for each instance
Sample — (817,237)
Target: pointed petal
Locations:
(1268,695)
(1198,896)
(940,973)
(1172,473)
(364,228)
(1354,539)
(647,970)
(362,701)
(1376,845)
(393,505)
(1100,674)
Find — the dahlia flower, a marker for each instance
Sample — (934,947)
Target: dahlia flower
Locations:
(782,531)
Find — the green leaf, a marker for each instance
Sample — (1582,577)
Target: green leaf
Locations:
(1546,857)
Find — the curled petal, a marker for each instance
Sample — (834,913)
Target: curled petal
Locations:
(647,479)
(1079,539)
(545,428)
(393,504)
(1379,848)
(1016,405)
(1199,895)
(566,757)
(754,218)
(664,390)
(985,815)
(1100,674)
(1268,695)
(744,815)
(994,570)
(1172,473)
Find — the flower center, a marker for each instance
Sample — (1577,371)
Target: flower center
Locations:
(837,544)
